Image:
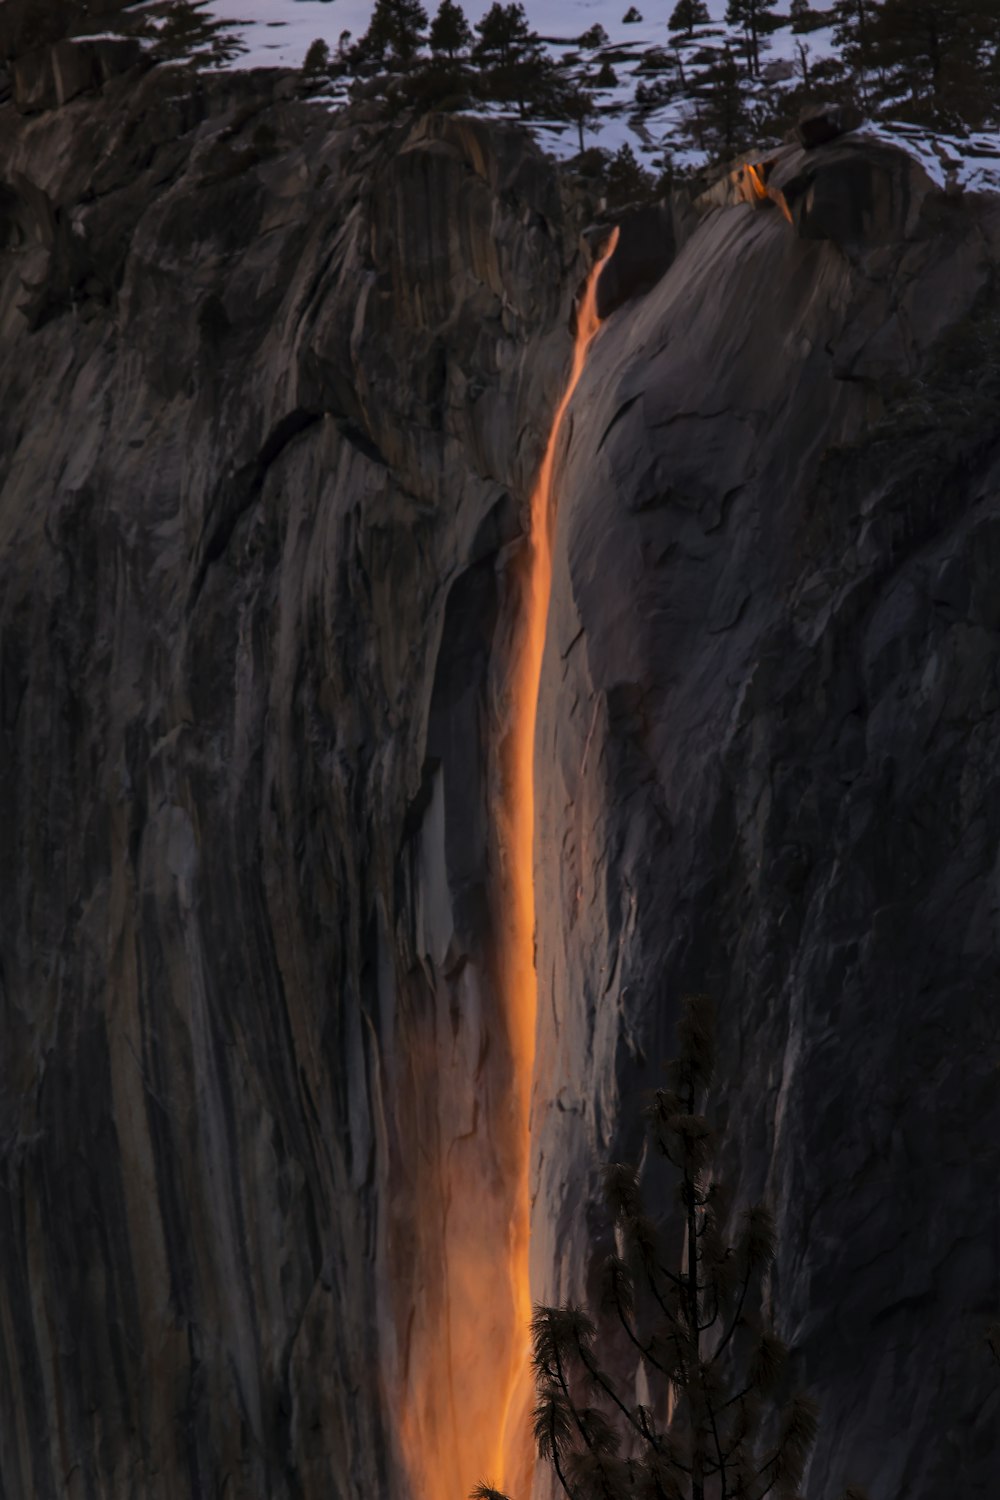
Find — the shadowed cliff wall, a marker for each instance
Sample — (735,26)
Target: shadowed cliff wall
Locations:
(272,392)
(767,748)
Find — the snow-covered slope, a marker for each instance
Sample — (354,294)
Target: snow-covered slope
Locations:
(969,162)
(277,33)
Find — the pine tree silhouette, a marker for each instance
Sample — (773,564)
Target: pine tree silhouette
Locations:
(752,15)
(396,31)
(515,66)
(939,52)
(627,182)
(578,106)
(687,14)
(185,30)
(450,32)
(855,27)
(801,14)
(716,1426)
(721,119)
(317,58)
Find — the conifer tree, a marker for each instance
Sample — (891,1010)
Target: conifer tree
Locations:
(396,31)
(696,1329)
(450,32)
(687,14)
(752,16)
(939,52)
(721,122)
(504,36)
(801,15)
(186,30)
(511,56)
(627,182)
(594,37)
(855,29)
(317,58)
(578,106)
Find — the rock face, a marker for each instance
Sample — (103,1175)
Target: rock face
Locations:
(767,747)
(273,390)
(271,395)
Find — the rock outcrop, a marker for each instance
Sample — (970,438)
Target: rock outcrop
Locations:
(273,390)
(767,748)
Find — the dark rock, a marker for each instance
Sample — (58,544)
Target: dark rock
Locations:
(26,25)
(51,76)
(820,123)
(766,654)
(646,246)
(356,344)
(269,418)
(861,194)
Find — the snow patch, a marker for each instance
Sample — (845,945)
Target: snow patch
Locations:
(278,33)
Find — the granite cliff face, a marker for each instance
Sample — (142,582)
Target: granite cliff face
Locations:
(273,390)
(770,771)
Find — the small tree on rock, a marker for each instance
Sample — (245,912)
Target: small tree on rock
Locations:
(595,37)
(317,58)
(627,182)
(396,31)
(715,1426)
(721,120)
(578,106)
(687,14)
(186,32)
(450,32)
(511,56)
(752,15)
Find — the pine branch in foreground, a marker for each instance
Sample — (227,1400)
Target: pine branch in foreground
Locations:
(721,1423)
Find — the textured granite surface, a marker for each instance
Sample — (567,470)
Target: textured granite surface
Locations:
(272,391)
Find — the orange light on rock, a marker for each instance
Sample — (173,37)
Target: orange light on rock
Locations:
(465,1407)
(756,189)
(517,820)
(756,181)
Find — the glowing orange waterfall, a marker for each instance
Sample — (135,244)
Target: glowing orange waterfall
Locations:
(751,182)
(465,1405)
(514,1462)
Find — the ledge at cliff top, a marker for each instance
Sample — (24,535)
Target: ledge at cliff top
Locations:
(273,391)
